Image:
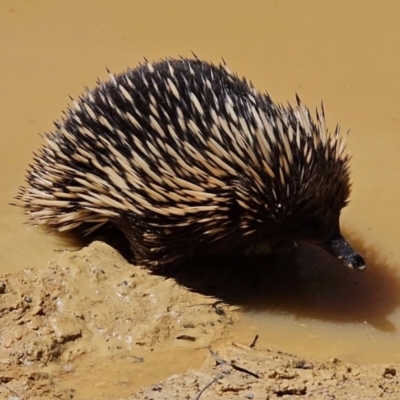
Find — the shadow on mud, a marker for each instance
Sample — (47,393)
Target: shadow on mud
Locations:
(307,282)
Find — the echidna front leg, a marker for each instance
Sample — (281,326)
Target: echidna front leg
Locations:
(154,249)
(266,248)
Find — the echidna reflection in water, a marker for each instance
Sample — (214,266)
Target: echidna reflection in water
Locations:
(187,158)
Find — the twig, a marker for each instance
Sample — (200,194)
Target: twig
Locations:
(208,385)
(78,319)
(10,390)
(213,304)
(246,371)
(216,305)
(236,367)
(253,343)
(216,357)
(218,309)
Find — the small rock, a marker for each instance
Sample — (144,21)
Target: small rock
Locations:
(37,310)
(2,288)
(389,372)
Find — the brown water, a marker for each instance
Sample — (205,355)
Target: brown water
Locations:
(342,52)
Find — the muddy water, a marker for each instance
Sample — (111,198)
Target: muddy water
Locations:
(342,53)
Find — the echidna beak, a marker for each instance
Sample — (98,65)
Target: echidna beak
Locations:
(341,249)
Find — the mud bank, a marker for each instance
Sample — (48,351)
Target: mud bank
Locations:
(89,325)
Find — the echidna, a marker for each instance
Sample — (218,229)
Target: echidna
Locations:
(186,158)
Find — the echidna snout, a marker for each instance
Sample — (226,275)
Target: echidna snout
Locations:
(338,246)
(324,232)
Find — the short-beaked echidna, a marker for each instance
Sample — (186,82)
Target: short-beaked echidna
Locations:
(186,158)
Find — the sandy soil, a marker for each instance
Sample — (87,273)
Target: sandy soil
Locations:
(89,325)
